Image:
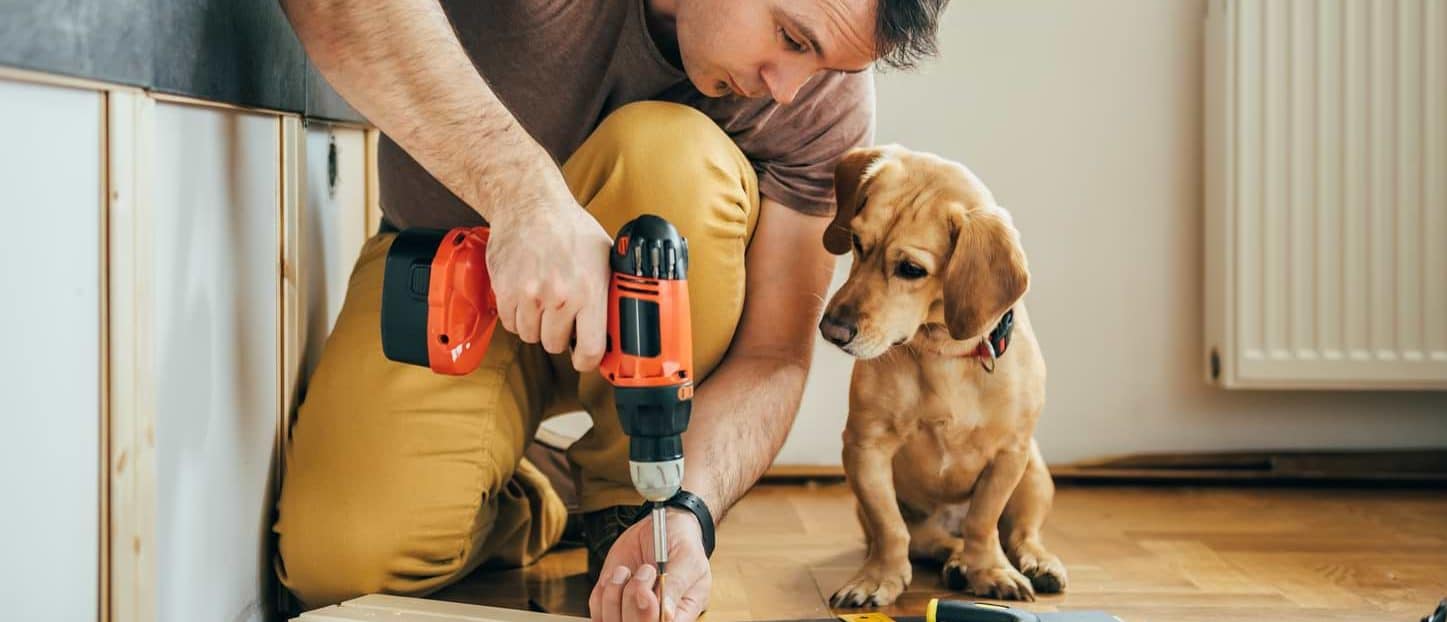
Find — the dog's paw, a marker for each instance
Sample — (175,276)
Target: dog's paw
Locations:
(1046,573)
(1002,583)
(875,585)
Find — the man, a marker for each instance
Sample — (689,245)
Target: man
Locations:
(400,480)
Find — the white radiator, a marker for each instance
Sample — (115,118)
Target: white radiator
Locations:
(1326,193)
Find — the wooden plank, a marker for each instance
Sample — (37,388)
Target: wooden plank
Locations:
(337,613)
(462,611)
(104,576)
(404,609)
(131,463)
(293,191)
(291,330)
(374,194)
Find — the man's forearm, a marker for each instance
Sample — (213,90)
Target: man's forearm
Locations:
(743,411)
(738,426)
(400,64)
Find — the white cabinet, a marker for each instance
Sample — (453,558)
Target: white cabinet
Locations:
(332,229)
(171,271)
(50,351)
(215,278)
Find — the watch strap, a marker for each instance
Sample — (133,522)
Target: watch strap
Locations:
(686,500)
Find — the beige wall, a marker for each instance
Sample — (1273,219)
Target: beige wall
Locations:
(1084,118)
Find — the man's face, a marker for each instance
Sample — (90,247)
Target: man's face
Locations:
(770,48)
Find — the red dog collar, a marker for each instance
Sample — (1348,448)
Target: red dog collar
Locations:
(993,345)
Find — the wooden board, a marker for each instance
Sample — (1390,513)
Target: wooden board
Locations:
(403,609)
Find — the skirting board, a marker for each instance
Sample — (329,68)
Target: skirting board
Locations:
(1408,466)
(403,609)
(1404,466)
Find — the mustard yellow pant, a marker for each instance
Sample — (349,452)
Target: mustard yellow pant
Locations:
(400,480)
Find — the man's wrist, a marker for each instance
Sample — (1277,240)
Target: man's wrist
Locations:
(689,503)
(693,504)
(709,496)
(527,193)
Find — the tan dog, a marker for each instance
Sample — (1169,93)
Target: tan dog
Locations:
(938,450)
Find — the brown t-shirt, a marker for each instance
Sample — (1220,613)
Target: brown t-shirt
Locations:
(560,66)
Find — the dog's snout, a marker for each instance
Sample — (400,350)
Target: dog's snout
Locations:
(839,327)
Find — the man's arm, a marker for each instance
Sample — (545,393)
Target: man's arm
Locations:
(743,411)
(399,63)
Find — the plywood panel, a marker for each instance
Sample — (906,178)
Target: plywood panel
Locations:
(333,227)
(216,284)
(50,371)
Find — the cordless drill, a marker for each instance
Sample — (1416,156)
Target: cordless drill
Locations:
(438,311)
(649,361)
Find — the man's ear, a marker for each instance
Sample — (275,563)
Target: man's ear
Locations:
(987,273)
(850,186)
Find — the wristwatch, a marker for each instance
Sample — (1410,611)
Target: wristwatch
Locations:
(693,503)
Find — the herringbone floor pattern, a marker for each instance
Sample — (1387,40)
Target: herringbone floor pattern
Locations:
(1153,553)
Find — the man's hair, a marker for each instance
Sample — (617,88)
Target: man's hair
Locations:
(905,31)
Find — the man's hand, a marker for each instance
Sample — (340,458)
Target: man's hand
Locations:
(625,589)
(549,267)
(401,65)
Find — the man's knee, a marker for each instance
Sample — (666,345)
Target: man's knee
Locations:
(324,564)
(668,135)
(668,159)
(328,561)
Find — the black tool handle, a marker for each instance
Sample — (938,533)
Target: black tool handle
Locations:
(961,611)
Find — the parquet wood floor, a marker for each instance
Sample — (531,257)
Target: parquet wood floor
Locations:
(1143,553)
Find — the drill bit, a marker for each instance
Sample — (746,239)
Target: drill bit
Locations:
(660,549)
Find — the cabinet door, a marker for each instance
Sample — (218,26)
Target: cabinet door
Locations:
(333,227)
(216,282)
(50,371)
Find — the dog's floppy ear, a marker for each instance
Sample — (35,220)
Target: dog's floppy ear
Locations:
(850,186)
(987,273)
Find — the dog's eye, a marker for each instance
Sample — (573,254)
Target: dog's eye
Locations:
(907,270)
(858,246)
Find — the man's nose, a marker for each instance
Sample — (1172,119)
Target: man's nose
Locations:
(839,326)
(785,79)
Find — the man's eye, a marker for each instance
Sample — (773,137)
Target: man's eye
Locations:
(792,43)
(907,270)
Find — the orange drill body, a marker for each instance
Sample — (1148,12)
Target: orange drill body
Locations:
(438,310)
(672,363)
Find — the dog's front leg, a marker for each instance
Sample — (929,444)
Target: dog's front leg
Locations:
(982,562)
(868,460)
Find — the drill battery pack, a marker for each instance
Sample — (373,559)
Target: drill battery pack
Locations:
(438,310)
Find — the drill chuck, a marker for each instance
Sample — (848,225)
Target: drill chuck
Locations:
(654,419)
(657,480)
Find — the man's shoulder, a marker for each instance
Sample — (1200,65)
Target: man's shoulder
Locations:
(794,147)
(518,17)
(829,103)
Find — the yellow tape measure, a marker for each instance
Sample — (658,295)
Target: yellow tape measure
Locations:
(865,617)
